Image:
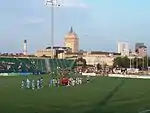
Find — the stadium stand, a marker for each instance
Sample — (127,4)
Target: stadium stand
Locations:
(33,65)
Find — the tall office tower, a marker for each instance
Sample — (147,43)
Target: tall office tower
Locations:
(123,48)
(137,45)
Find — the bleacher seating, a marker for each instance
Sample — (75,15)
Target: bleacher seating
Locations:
(61,63)
(15,65)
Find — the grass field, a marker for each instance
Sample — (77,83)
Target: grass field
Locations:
(101,95)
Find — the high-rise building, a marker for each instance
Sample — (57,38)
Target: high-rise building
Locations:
(72,41)
(141,51)
(139,44)
(123,48)
(25,47)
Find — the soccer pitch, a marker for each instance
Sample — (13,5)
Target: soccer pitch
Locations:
(101,95)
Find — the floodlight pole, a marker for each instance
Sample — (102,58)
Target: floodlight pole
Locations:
(147,59)
(53,3)
(130,62)
(52,29)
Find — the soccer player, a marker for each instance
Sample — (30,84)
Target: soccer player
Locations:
(68,84)
(28,83)
(54,82)
(23,84)
(33,84)
(38,84)
(51,83)
(73,82)
(80,80)
(88,79)
(77,80)
(57,82)
(41,82)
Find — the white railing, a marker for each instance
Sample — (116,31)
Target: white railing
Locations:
(129,76)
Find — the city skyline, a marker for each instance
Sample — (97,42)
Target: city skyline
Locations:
(106,22)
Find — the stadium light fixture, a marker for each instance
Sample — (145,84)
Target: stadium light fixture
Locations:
(53,4)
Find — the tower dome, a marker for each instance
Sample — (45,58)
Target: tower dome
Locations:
(72,41)
(71,34)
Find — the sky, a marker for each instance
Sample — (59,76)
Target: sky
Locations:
(100,24)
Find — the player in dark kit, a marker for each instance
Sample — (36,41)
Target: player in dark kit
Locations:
(88,79)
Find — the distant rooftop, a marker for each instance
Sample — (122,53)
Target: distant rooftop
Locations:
(142,46)
(102,52)
(58,47)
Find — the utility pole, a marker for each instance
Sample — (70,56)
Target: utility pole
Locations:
(137,62)
(130,63)
(53,4)
(143,63)
(147,59)
(130,58)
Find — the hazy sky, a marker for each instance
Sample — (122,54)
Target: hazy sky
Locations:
(100,24)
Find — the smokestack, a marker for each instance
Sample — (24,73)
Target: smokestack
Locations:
(25,47)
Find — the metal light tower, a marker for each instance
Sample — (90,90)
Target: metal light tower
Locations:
(53,4)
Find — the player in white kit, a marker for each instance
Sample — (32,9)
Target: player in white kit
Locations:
(80,80)
(50,82)
(28,83)
(33,84)
(73,82)
(41,82)
(38,84)
(23,84)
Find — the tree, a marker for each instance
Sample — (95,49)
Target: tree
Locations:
(148,61)
(84,63)
(122,62)
(117,62)
(145,62)
(104,66)
(81,62)
(125,62)
(98,66)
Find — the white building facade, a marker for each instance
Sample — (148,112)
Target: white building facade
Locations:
(101,59)
(123,48)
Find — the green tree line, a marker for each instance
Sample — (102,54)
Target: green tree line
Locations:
(125,62)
